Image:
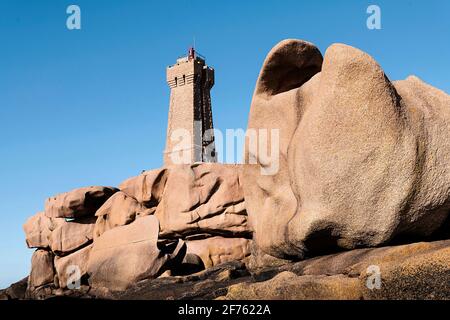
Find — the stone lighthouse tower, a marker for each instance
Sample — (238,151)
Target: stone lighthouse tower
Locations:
(190,136)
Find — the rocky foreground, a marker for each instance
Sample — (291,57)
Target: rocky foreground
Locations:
(413,271)
(171,221)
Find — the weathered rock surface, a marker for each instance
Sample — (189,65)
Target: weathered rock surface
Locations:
(78,203)
(42,271)
(199,203)
(217,250)
(16,291)
(207,284)
(413,271)
(362,161)
(146,188)
(118,210)
(190,200)
(72,268)
(125,255)
(289,286)
(202,199)
(69,236)
(37,231)
(259,259)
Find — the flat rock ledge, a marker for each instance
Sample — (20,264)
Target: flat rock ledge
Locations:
(413,271)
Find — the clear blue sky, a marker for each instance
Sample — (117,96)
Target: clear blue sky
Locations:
(89,107)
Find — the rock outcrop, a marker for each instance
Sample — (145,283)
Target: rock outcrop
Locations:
(70,236)
(363,161)
(110,239)
(78,203)
(414,271)
(38,231)
(119,210)
(217,250)
(127,254)
(17,291)
(42,270)
(147,188)
(203,199)
(73,267)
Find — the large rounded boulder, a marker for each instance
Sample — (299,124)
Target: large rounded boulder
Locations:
(361,161)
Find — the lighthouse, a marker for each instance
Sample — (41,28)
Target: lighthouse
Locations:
(190,136)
